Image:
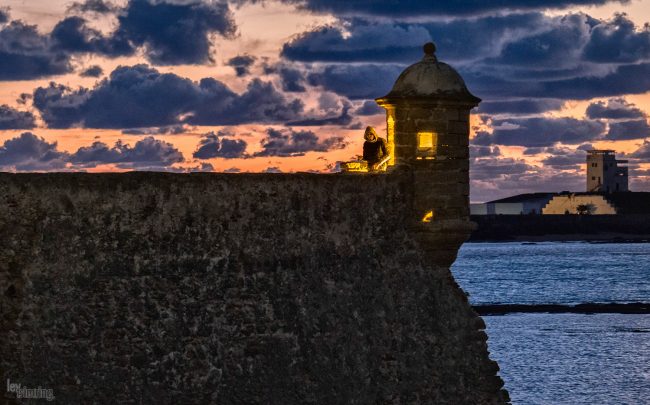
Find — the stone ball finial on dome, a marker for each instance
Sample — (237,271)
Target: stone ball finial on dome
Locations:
(430,52)
(429,49)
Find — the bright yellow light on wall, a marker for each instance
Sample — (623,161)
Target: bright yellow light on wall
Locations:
(390,134)
(428,217)
(427,142)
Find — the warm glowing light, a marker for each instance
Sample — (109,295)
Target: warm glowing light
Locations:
(427,142)
(428,217)
(355,166)
(390,137)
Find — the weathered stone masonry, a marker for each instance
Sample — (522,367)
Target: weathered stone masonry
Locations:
(253,288)
(232,289)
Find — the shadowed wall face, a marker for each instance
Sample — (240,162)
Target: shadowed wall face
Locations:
(230,289)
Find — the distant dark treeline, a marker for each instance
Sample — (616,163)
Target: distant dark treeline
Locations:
(561,227)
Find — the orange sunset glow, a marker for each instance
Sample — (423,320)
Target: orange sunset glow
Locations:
(252,86)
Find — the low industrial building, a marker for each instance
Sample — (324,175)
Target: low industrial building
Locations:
(567,203)
(607,194)
(522,204)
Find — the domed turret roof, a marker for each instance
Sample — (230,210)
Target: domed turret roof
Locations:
(430,79)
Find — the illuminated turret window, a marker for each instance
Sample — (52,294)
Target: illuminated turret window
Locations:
(427,142)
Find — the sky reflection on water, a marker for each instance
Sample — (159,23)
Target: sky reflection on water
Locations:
(573,359)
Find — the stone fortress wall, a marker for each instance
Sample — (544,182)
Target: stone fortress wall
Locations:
(254,288)
(233,289)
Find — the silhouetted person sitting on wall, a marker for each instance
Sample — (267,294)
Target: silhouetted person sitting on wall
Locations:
(375,150)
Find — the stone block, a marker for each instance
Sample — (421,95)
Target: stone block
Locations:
(452,114)
(459,127)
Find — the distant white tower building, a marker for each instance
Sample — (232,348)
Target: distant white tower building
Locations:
(604,174)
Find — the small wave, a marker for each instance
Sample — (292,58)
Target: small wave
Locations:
(630,330)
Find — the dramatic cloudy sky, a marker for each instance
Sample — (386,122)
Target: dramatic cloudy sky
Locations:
(288,85)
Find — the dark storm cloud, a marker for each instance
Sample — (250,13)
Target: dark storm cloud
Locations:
(534,150)
(643,152)
(97,153)
(93,6)
(622,80)
(369,107)
(140,96)
(72,34)
(292,77)
(242,64)
(640,172)
(218,146)
(92,71)
(4,16)
(460,40)
(167,33)
(60,106)
(564,162)
(260,103)
(26,54)
(617,108)
(482,138)
(175,33)
(29,152)
(624,130)
(625,79)
(170,130)
(203,167)
(478,151)
(296,143)
(553,64)
(619,41)
(148,152)
(501,57)
(564,158)
(14,119)
(356,81)
(292,80)
(417,8)
(369,42)
(493,168)
(527,39)
(524,106)
(343,118)
(536,132)
(558,46)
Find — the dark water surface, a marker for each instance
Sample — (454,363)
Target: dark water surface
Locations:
(554,273)
(564,358)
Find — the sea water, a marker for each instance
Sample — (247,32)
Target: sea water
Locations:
(564,358)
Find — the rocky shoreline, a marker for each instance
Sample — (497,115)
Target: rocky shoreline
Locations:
(586,308)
